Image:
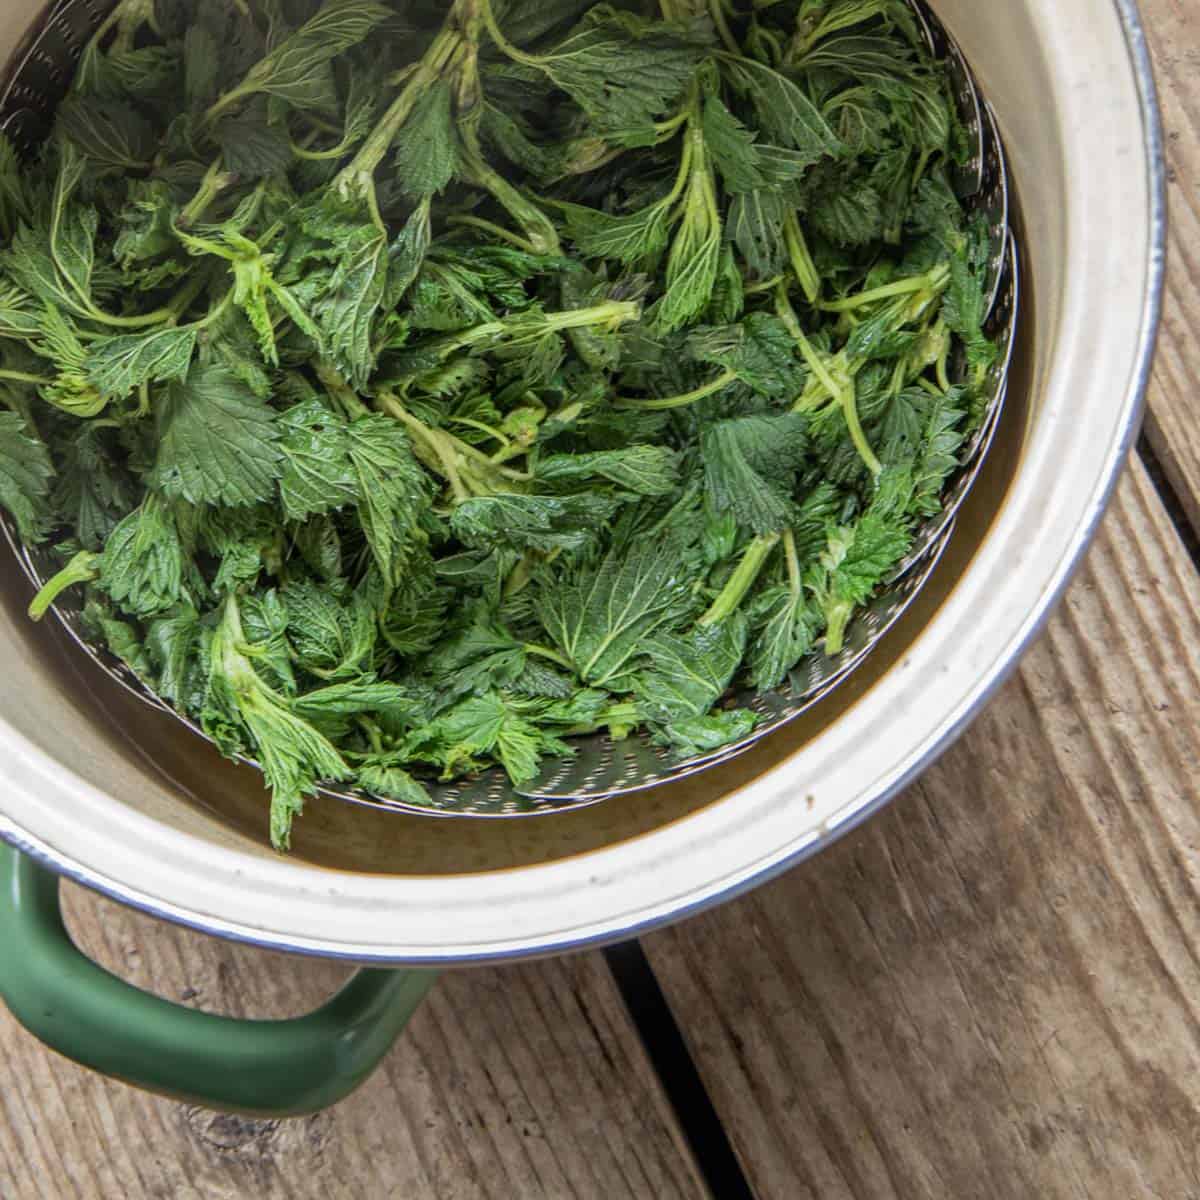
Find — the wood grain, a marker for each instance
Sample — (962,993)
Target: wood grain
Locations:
(1173,32)
(519,1083)
(993,990)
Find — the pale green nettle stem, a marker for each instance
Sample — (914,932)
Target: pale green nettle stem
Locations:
(801,258)
(355,178)
(215,181)
(667,403)
(83,568)
(504,235)
(795,580)
(935,281)
(742,580)
(551,655)
(843,393)
(22,377)
(716,9)
(436,449)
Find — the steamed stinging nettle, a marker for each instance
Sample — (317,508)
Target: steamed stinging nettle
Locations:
(411,387)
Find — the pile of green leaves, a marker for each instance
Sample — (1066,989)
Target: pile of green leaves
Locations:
(414,386)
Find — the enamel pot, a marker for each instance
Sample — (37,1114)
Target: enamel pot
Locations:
(95,787)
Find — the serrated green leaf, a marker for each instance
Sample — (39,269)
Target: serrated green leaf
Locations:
(318,476)
(296,70)
(426,149)
(333,639)
(786,115)
(25,475)
(119,365)
(110,134)
(142,565)
(643,470)
(218,442)
(544,523)
(253,148)
(625,72)
(686,674)
(393,492)
(751,465)
(755,226)
(599,617)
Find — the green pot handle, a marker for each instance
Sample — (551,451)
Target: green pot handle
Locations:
(258,1068)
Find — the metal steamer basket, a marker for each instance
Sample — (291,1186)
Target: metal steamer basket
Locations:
(601,769)
(105,788)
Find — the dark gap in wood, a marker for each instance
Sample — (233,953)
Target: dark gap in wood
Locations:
(669,1056)
(1170,498)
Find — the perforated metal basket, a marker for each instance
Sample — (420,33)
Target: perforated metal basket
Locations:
(600,768)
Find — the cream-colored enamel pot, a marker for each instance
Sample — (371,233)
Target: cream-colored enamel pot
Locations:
(101,790)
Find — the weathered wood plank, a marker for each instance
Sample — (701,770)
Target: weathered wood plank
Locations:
(993,990)
(524,1082)
(1173,31)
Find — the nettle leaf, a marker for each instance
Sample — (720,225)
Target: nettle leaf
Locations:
(415,620)
(690,737)
(691,271)
(253,148)
(745,165)
(352,298)
(856,560)
(142,565)
(218,441)
(119,365)
(120,638)
(146,223)
(295,70)
(481,729)
(940,452)
(600,616)
(965,310)
(632,238)
(846,209)
(481,657)
(201,66)
(172,645)
(110,134)
(533,522)
(750,468)
(318,475)
(241,708)
(785,114)
(406,255)
(687,674)
(25,475)
(426,149)
(145,72)
(643,470)
(94,491)
(393,492)
(789,630)
(390,782)
(761,352)
(625,72)
(733,148)
(333,639)
(755,226)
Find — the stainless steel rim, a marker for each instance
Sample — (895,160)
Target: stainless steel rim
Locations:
(849,820)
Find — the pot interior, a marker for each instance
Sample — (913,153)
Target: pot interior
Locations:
(130,801)
(62,702)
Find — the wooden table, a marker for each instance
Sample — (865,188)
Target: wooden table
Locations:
(992,990)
